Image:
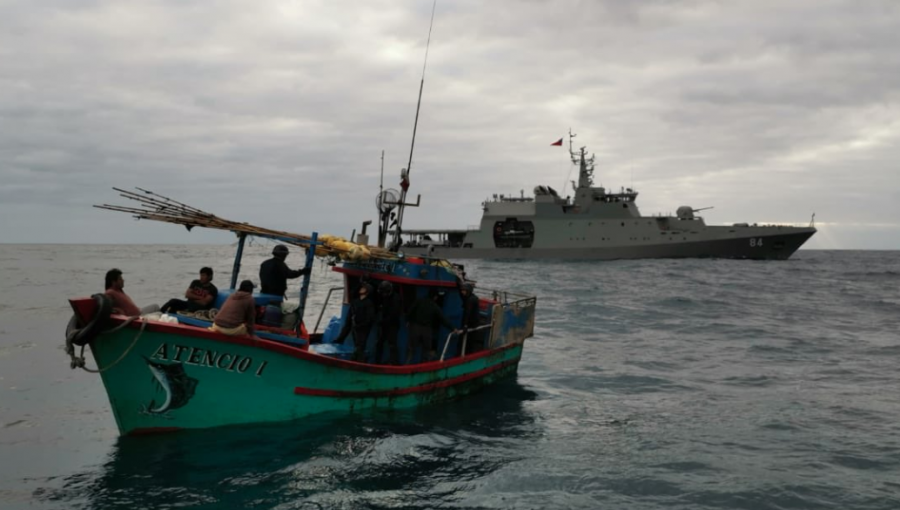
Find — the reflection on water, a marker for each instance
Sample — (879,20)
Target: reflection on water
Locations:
(376,458)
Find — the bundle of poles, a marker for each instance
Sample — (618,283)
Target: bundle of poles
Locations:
(156,207)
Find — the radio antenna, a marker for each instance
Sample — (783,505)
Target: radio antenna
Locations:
(395,243)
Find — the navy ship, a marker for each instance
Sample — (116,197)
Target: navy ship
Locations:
(596,223)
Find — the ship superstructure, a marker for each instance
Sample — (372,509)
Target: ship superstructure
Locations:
(596,223)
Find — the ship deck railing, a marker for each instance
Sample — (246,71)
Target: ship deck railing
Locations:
(433,231)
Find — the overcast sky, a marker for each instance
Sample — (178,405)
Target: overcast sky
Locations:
(276,112)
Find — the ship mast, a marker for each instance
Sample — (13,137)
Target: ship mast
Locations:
(585,164)
(404,174)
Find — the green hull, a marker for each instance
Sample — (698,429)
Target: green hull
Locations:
(174,377)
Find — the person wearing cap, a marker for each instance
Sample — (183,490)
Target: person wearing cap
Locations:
(238,314)
(471,319)
(423,319)
(390,309)
(360,318)
(200,295)
(274,273)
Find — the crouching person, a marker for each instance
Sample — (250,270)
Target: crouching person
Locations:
(200,295)
(238,313)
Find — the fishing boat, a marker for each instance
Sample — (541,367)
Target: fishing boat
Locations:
(174,373)
(165,376)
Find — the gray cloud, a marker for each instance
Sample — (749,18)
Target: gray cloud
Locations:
(278,114)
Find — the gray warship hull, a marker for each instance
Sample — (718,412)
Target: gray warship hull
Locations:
(778,244)
(598,224)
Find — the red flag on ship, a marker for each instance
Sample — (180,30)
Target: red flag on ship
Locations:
(557,143)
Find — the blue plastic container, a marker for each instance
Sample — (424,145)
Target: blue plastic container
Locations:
(272,316)
(332,330)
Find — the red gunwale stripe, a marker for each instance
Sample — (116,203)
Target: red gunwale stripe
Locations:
(398,279)
(295,352)
(315,392)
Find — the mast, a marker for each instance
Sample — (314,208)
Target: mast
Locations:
(404,175)
(381,222)
(585,164)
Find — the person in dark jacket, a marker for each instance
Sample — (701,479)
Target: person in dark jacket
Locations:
(274,273)
(390,310)
(200,295)
(423,319)
(360,319)
(471,319)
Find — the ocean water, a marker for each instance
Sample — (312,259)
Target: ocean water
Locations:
(676,384)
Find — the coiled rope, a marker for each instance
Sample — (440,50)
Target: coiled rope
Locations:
(78,361)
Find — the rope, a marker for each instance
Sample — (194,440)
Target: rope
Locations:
(78,361)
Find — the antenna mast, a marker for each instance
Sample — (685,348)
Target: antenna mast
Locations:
(585,164)
(404,177)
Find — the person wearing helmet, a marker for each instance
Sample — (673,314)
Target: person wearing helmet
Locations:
(423,319)
(471,319)
(360,318)
(274,273)
(390,309)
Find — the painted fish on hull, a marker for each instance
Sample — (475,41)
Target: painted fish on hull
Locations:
(174,381)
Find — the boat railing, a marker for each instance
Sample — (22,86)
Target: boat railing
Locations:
(465,338)
(325,305)
(508,298)
(511,319)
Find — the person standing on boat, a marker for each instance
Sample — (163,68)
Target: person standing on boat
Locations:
(471,319)
(424,317)
(201,294)
(274,273)
(238,313)
(115,289)
(389,311)
(361,316)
